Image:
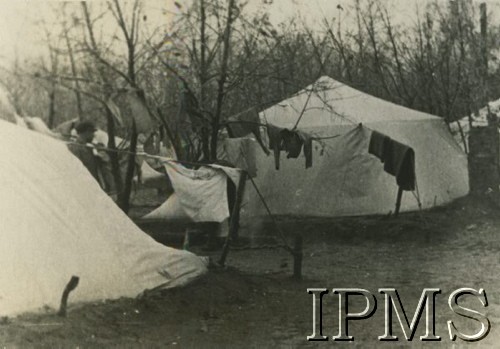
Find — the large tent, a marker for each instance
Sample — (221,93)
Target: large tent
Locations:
(480,119)
(344,178)
(57,223)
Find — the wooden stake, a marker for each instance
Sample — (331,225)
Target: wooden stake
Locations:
(235,217)
(398,201)
(64,300)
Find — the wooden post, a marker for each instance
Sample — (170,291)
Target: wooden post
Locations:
(398,201)
(235,217)
(483,160)
(484,60)
(297,257)
(64,300)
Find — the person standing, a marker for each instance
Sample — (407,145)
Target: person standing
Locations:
(85,134)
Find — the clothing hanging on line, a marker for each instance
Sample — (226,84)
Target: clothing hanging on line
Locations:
(202,193)
(292,142)
(398,159)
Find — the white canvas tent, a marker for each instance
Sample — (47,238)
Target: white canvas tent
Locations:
(476,120)
(346,179)
(57,222)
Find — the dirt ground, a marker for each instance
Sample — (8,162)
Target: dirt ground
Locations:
(254,302)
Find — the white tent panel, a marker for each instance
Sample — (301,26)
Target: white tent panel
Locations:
(57,222)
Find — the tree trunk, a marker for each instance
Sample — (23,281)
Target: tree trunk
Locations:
(124,197)
(74,73)
(52,107)
(222,81)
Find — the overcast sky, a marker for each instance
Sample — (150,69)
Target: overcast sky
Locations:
(20,34)
(18,31)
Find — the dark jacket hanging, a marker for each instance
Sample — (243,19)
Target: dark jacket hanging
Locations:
(398,159)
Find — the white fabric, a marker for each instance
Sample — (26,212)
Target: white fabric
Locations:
(202,193)
(37,124)
(102,137)
(346,180)
(232,173)
(57,222)
(66,128)
(170,210)
(148,174)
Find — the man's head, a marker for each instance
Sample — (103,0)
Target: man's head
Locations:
(85,130)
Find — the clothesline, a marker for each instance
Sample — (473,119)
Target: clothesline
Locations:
(144,154)
(91,146)
(165,159)
(161,158)
(267,125)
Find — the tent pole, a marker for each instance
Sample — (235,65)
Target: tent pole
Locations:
(398,201)
(235,217)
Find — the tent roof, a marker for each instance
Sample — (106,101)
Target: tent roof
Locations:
(332,103)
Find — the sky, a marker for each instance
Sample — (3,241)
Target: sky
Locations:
(21,36)
(312,11)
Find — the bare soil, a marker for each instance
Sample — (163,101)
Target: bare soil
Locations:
(254,302)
